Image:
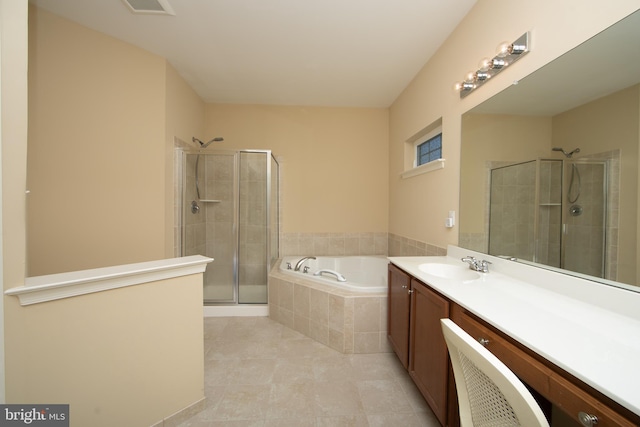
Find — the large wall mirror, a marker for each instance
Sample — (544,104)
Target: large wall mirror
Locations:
(549,166)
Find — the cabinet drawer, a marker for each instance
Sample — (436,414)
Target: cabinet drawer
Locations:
(528,369)
(573,400)
(548,380)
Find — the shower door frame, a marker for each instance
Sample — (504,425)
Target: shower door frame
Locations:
(268,195)
(185,208)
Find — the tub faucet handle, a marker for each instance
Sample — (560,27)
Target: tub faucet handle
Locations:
(288,266)
(305,269)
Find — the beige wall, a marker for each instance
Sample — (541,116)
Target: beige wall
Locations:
(102,119)
(333,161)
(13,127)
(97,134)
(14,137)
(419,205)
(86,123)
(125,357)
(185,113)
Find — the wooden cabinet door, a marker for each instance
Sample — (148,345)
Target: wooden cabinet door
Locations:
(399,301)
(428,356)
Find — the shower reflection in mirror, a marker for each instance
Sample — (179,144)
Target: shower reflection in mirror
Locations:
(557,212)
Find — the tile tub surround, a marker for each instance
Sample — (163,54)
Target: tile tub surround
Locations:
(405,246)
(340,244)
(333,244)
(346,321)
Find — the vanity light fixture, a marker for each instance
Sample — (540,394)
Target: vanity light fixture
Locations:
(507,54)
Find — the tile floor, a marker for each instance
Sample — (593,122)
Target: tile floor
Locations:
(261,373)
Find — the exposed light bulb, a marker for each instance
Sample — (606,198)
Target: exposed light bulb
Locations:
(471,77)
(504,49)
(485,64)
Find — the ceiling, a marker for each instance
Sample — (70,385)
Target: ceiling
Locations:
(350,53)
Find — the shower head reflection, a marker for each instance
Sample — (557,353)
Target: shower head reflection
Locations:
(568,155)
(206,144)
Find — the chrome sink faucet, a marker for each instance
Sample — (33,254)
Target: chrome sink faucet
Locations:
(477,265)
(301,261)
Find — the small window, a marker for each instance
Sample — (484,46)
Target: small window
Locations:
(423,151)
(429,150)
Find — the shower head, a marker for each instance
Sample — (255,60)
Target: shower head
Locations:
(568,155)
(206,144)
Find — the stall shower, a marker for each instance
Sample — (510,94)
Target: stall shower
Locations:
(229,212)
(554,212)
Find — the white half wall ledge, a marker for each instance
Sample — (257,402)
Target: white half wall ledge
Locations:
(51,287)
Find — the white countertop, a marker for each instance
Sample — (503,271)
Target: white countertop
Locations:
(567,320)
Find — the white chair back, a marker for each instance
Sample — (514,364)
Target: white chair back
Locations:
(489,394)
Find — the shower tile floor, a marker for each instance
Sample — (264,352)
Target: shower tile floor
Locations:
(263,374)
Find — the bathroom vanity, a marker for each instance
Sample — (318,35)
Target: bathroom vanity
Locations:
(558,333)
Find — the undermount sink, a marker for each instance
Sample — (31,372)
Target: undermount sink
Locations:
(449,271)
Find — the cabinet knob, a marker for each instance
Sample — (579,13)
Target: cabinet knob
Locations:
(404,286)
(483,341)
(410,291)
(587,420)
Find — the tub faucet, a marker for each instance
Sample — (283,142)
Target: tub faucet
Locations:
(302,260)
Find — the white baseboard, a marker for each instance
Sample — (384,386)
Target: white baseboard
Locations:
(236,310)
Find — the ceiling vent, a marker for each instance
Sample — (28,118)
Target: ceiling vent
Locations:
(157,7)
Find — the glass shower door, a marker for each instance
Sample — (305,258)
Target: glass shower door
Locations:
(253,227)
(511,225)
(210,224)
(584,237)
